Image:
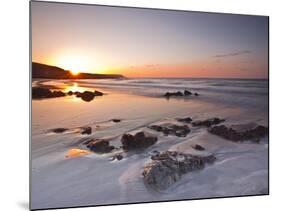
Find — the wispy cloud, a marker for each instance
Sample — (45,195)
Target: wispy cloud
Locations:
(238,53)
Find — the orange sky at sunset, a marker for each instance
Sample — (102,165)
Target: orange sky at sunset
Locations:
(149,43)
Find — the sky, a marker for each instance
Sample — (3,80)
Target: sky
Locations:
(138,42)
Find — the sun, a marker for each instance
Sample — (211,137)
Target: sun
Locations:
(74,63)
(74,72)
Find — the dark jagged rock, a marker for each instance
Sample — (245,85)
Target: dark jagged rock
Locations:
(176,94)
(208,122)
(116,120)
(137,141)
(185,120)
(117,157)
(86,130)
(167,168)
(41,93)
(98,93)
(171,129)
(59,130)
(253,133)
(58,94)
(87,96)
(198,147)
(187,93)
(99,146)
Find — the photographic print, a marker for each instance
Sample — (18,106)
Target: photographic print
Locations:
(136,105)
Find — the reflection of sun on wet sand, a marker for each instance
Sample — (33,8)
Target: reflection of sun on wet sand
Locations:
(75,152)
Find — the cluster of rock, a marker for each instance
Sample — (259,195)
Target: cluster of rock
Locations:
(41,93)
(179,94)
(229,133)
(138,141)
(207,122)
(185,120)
(167,167)
(99,146)
(86,95)
(171,129)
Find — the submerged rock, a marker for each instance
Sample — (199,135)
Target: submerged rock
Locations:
(171,129)
(198,147)
(117,157)
(137,141)
(185,120)
(239,133)
(99,146)
(196,94)
(208,122)
(167,168)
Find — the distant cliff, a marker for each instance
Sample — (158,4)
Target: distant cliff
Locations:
(52,72)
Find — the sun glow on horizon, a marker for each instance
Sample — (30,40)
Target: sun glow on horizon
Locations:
(74,63)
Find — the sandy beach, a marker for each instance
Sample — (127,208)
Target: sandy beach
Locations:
(65,173)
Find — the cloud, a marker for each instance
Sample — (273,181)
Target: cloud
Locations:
(238,53)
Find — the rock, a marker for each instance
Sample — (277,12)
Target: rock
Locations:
(207,122)
(187,93)
(167,168)
(138,141)
(171,129)
(117,157)
(70,93)
(185,120)
(196,94)
(58,94)
(40,93)
(198,147)
(99,146)
(86,130)
(59,130)
(77,94)
(87,96)
(233,133)
(176,94)
(116,120)
(98,93)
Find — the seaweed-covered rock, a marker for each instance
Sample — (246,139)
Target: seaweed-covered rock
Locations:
(167,168)
(171,129)
(207,122)
(137,141)
(99,146)
(239,133)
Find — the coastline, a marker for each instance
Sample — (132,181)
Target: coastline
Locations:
(241,167)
